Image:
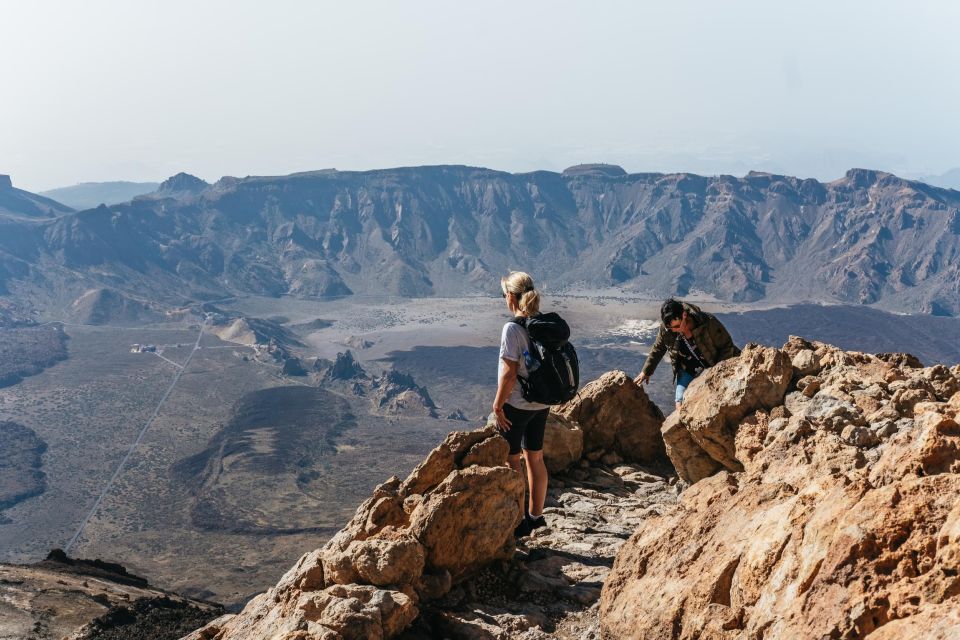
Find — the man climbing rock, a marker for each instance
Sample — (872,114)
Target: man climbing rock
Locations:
(695,339)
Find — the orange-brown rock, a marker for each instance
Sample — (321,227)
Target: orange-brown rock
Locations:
(409,541)
(821,522)
(617,416)
(700,436)
(562,443)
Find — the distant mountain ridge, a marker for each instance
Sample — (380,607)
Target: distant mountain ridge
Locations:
(869,237)
(19,203)
(88,195)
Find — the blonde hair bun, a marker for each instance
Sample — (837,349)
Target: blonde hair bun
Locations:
(520,285)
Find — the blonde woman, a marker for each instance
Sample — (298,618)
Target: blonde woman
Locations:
(520,422)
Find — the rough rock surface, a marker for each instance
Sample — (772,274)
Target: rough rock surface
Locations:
(551,588)
(410,541)
(438,547)
(833,513)
(82,599)
(562,443)
(699,437)
(617,417)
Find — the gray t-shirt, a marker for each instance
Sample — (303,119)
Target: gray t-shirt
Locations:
(513,342)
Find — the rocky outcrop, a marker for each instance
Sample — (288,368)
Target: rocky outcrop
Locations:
(398,393)
(617,417)
(830,510)
(182,183)
(345,367)
(551,588)
(63,597)
(699,438)
(411,541)
(425,543)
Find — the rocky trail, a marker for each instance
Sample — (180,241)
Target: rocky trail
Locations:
(551,588)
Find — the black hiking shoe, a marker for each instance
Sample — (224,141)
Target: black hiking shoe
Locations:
(527,525)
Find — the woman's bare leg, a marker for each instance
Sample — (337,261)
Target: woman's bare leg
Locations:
(536,481)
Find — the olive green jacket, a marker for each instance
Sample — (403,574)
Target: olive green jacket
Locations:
(711,337)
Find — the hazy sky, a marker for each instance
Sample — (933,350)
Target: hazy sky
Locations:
(129,90)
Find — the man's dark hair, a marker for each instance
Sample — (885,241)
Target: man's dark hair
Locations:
(670,311)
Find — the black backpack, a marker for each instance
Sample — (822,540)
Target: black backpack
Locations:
(553,369)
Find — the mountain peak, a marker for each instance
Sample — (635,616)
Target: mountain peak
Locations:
(595,169)
(5,182)
(864,177)
(182,182)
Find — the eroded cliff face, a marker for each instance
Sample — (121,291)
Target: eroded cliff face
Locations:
(825,504)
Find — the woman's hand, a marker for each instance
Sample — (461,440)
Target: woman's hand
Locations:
(502,423)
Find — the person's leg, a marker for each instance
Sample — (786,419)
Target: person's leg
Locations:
(683,381)
(536,469)
(514,437)
(536,480)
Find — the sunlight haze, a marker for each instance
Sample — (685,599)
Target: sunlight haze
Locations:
(99,91)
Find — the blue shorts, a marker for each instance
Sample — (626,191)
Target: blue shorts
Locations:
(683,381)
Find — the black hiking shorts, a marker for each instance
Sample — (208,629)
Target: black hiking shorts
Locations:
(526,430)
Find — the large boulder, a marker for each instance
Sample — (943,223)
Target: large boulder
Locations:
(700,437)
(410,541)
(562,443)
(617,417)
(817,531)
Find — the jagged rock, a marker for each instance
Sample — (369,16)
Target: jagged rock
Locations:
(931,622)
(399,394)
(345,368)
(616,415)
(689,459)
(457,415)
(831,529)
(551,588)
(377,561)
(468,521)
(293,367)
(902,360)
(715,403)
(410,540)
(339,612)
(180,184)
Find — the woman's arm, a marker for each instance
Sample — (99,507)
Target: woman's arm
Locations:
(505,383)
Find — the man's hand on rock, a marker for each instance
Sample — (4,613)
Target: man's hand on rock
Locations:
(642,379)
